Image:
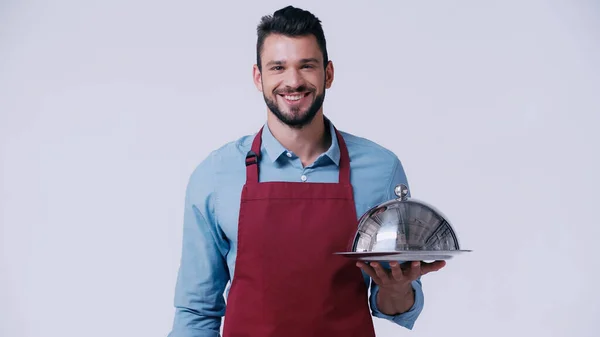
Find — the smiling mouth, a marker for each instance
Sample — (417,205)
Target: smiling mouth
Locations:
(294,98)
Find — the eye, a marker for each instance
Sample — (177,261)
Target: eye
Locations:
(308,66)
(277,68)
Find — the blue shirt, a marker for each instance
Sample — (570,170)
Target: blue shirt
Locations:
(211,213)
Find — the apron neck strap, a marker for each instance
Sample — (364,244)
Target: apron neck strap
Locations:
(253,157)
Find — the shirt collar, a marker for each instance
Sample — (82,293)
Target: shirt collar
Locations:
(274,149)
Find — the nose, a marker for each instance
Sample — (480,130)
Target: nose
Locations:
(293,78)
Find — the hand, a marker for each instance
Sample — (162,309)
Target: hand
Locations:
(395,286)
(400,277)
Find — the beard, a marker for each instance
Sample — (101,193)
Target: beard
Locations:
(295,118)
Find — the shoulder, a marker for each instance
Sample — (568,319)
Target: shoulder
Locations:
(376,168)
(362,149)
(223,161)
(221,157)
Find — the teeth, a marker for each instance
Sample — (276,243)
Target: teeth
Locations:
(293,98)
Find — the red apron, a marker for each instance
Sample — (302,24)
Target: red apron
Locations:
(287,281)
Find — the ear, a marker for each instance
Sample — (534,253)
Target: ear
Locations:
(328,74)
(257,76)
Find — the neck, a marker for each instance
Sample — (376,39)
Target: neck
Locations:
(308,142)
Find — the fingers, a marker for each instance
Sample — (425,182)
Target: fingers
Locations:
(431,267)
(381,272)
(369,271)
(375,271)
(406,272)
(415,270)
(397,272)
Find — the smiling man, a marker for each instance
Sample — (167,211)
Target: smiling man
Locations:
(266,213)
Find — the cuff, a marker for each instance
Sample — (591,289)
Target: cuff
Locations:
(193,332)
(406,319)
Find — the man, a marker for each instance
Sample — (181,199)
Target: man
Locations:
(268,211)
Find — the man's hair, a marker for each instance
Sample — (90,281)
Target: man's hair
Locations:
(293,22)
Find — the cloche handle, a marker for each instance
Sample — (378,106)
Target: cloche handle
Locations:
(401,191)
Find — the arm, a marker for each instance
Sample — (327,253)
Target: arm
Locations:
(402,308)
(203,274)
(388,309)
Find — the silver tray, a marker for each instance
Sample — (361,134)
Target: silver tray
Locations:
(415,255)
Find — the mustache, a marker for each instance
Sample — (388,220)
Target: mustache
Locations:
(290,90)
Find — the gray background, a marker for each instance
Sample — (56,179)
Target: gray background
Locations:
(107,106)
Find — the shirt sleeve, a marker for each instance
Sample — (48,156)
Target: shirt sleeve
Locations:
(406,319)
(203,274)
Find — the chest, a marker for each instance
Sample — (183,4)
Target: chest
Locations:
(366,194)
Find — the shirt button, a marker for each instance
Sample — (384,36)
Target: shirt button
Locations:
(303,178)
(289,154)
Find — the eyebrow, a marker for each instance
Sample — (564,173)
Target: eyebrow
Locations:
(309,60)
(303,61)
(274,63)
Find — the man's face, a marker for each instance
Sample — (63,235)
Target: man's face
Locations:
(293,79)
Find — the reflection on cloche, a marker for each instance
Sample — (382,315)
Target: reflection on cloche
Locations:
(404,224)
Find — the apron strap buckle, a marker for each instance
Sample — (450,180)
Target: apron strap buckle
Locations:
(251,158)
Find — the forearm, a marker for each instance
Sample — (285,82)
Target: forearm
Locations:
(203,272)
(186,331)
(201,281)
(397,302)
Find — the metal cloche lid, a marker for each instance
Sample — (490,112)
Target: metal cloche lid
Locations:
(404,228)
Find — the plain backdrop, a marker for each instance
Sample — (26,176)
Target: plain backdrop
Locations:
(107,106)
